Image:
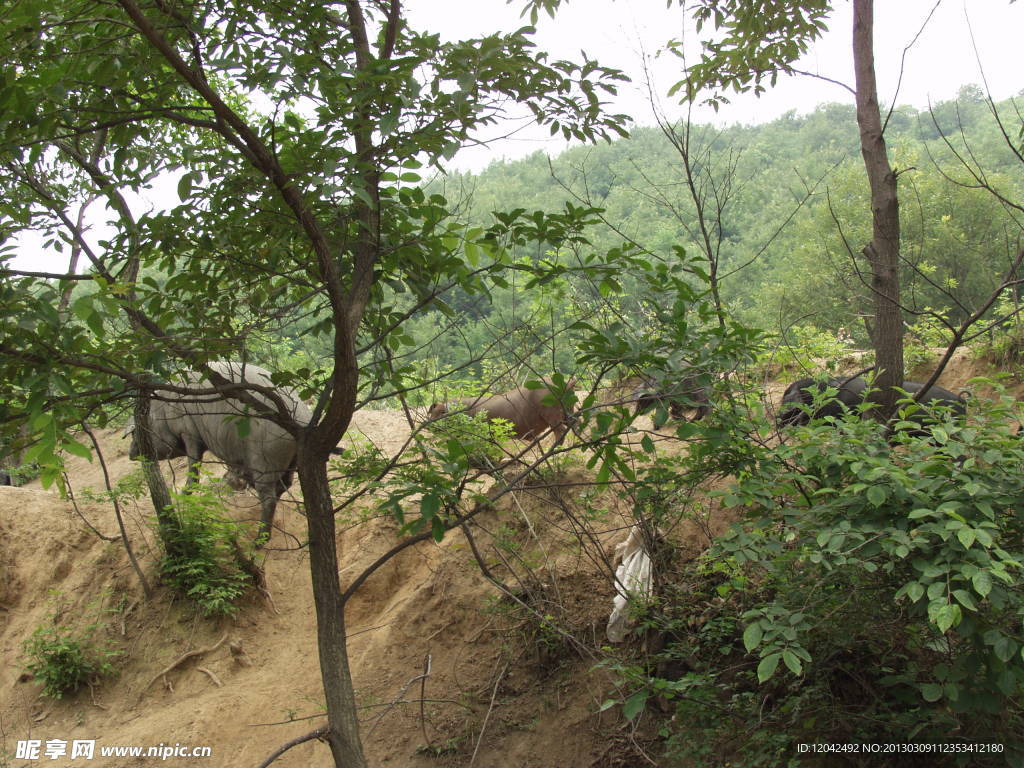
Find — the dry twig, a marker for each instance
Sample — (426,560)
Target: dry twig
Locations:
(483,728)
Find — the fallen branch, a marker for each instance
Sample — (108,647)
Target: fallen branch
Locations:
(401,695)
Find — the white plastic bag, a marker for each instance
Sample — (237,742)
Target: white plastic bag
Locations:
(632,578)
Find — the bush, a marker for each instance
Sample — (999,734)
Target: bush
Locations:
(872,594)
(64,658)
(202,557)
(921,340)
(361,462)
(1004,344)
(23,473)
(803,346)
(476,437)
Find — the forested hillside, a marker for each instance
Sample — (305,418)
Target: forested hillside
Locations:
(785,211)
(793,206)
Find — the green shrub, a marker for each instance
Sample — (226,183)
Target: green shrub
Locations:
(1004,345)
(64,658)
(22,473)
(921,340)
(872,593)
(804,346)
(201,551)
(476,437)
(361,462)
(129,488)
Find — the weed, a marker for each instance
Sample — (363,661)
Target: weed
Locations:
(201,558)
(447,747)
(476,438)
(131,487)
(64,658)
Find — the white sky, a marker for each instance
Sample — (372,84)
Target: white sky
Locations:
(621,33)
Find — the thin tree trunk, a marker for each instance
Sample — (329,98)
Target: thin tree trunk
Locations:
(76,245)
(883,251)
(117,512)
(167,525)
(343,725)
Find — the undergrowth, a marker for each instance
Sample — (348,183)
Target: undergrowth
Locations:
(872,594)
(202,555)
(64,656)
(476,437)
(1004,344)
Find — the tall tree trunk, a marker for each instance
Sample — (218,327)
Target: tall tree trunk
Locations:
(883,251)
(343,724)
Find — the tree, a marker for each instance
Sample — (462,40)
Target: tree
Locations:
(883,251)
(293,135)
(760,43)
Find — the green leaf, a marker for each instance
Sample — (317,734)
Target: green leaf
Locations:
(965,599)
(635,704)
(77,449)
(947,616)
(767,667)
(937,589)
(792,662)
(752,636)
(429,506)
(1004,647)
(877,495)
(95,323)
(931,692)
(966,536)
(607,704)
(438,529)
(982,583)
(185,187)
(83,307)
(244,426)
(1007,682)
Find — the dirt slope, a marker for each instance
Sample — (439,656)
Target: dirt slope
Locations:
(429,602)
(429,605)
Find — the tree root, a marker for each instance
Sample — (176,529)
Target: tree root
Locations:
(181,660)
